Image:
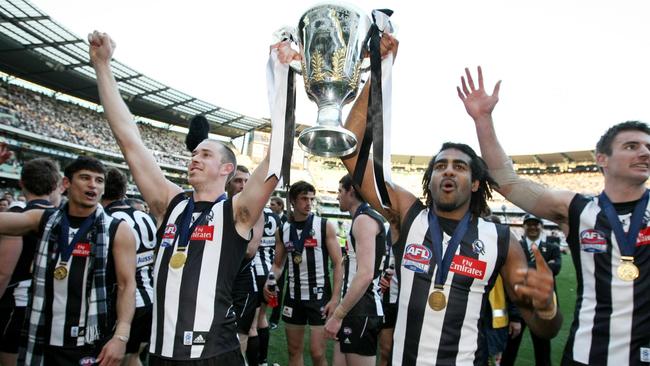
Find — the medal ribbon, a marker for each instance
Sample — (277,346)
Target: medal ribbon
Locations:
(186,229)
(443,263)
(299,243)
(626,243)
(65,249)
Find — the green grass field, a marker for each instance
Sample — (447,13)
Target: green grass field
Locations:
(566,285)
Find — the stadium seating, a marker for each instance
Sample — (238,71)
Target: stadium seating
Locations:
(45,115)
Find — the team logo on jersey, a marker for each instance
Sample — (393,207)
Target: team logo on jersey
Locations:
(81,250)
(645,354)
(87,361)
(593,241)
(469,267)
(188,337)
(644,237)
(347,331)
(416,258)
(203,232)
(170,231)
(478,247)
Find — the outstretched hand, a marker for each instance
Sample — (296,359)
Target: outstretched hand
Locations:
(538,283)
(477,102)
(101,48)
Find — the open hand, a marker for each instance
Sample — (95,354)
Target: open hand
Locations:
(477,102)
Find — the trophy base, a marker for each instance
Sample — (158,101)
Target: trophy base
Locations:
(328,141)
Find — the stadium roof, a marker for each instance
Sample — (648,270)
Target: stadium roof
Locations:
(35,48)
(550,159)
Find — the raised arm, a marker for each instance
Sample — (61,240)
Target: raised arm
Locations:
(400,198)
(530,196)
(250,202)
(155,188)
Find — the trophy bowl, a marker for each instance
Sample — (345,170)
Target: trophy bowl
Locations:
(331,41)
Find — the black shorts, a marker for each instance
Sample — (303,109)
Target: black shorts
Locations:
(302,312)
(11,322)
(390,316)
(63,356)
(140,329)
(244,304)
(233,358)
(261,280)
(359,334)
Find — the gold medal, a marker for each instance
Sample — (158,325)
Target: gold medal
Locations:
(437,300)
(627,270)
(297,258)
(61,272)
(177,260)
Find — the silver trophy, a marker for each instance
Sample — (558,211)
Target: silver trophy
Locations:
(331,41)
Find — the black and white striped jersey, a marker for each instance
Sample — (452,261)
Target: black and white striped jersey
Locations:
(455,334)
(309,279)
(193,316)
(17,291)
(67,304)
(390,296)
(611,325)
(144,231)
(370,303)
(266,251)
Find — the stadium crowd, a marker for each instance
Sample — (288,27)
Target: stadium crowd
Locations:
(187,276)
(48,116)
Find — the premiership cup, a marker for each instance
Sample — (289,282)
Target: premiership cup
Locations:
(331,41)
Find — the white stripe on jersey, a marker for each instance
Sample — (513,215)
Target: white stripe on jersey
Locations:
(622,296)
(303,275)
(60,302)
(21,293)
(171,294)
(206,292)
(432,327)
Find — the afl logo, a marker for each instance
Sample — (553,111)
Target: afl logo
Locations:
(593,241)
(417,252)
(416,258)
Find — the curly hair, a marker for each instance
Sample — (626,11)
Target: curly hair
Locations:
(479,169)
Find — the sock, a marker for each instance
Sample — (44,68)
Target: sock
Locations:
(252,351)
(263,334)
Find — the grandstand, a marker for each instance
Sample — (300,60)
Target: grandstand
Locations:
(48,107)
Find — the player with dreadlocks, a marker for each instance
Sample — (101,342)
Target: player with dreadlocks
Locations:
(448,259)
